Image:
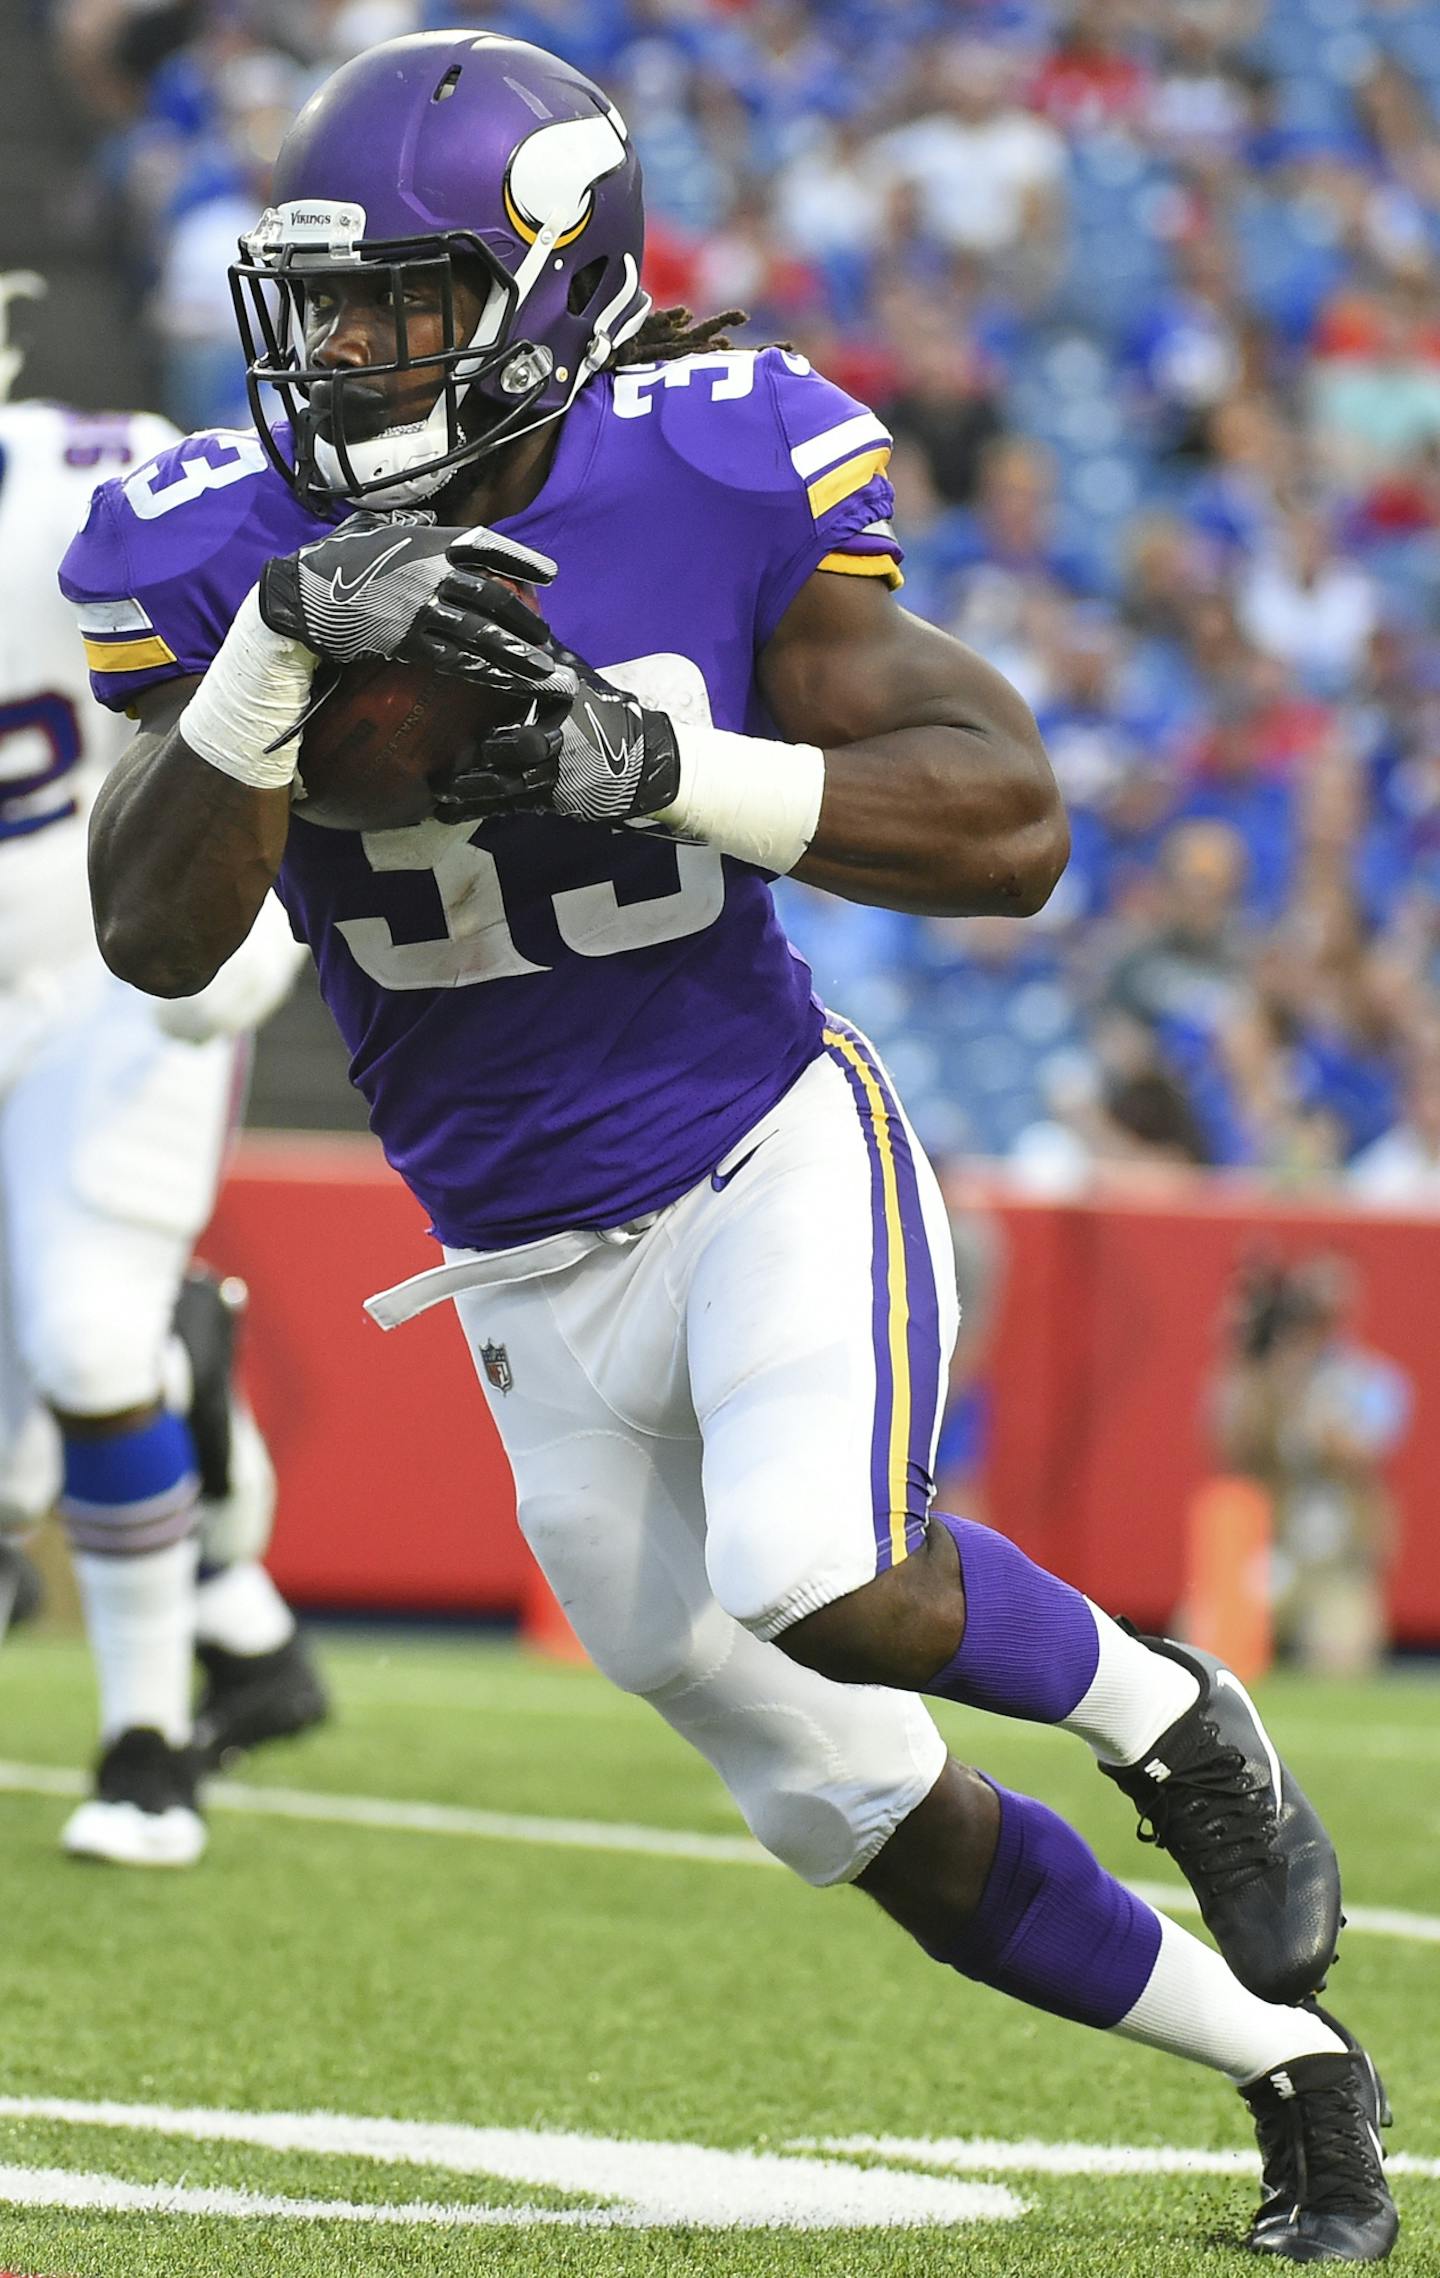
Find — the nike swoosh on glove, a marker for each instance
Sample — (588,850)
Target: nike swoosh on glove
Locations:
(364,588)
(586,750)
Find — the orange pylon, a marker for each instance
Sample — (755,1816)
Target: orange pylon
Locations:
(1227,1574)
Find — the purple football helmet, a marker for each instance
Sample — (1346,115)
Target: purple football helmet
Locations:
(441,148)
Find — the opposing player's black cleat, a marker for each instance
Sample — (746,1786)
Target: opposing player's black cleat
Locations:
(144,1812)
(1215,1795)
(1318,2120)
(207,1317)
(22,1593)
(249,1698)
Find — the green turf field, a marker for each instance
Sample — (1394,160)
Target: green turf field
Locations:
(545,2012)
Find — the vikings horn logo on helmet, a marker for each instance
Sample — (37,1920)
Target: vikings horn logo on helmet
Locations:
(552,177)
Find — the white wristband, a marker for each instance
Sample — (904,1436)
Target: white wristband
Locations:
(746,796)
(257,686)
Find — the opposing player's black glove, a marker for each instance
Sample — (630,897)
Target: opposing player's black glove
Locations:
(365,588)
(586,750)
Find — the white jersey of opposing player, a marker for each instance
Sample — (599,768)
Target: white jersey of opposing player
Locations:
(115,1108)
(55,741)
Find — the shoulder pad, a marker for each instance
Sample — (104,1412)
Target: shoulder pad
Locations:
(713,411)
(169,552)
(758,420)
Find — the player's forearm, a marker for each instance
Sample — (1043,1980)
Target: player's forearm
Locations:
(187,836)
(181,859)
(939,821)
(937,795)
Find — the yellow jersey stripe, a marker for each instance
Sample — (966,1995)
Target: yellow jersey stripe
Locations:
(128,656)
(897,1294)
(865,565)
(842,482)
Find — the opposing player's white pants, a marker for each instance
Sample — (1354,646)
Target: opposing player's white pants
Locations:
(728,1421)
(111,1141)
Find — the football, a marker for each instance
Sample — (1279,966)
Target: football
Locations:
(381,734)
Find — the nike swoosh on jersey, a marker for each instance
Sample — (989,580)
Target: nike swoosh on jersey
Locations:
(341,590)
(721,1179)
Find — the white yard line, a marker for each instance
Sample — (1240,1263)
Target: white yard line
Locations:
(808,2185)
(1374,1921)
(642,2183)
(111,2194)
(986,2155)
(1362,1743)
(399,1816)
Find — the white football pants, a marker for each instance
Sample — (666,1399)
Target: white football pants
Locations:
(728,1420)
(111,1142)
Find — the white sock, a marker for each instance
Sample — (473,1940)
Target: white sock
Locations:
(1193,2007)
(140,1617)
(1133,1697)
(240,1609)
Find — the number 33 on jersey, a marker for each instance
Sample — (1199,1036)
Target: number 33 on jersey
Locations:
(627,1008)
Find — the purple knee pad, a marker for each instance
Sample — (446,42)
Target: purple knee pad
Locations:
(1052,1927)
(1030,1647)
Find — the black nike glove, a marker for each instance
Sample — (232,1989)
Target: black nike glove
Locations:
(587,750)
(365,588)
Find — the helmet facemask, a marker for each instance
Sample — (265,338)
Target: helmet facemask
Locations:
(295,256)
(488,385)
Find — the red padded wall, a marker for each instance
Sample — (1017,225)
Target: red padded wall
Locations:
(394,1491)
(1113,1312)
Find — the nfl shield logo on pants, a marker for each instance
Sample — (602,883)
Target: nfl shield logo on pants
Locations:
(497,1366)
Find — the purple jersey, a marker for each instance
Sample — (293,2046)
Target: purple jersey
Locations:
(555,1024)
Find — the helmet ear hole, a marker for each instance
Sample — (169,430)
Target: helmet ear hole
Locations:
(584,285)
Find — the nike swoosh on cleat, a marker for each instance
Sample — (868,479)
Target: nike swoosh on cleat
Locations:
(341,590)
(720,1180)
(1228,1677)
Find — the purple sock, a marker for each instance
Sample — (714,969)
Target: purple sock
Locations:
(1030,1646)
(1052,1927)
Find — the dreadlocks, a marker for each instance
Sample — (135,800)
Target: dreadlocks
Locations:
(671,332)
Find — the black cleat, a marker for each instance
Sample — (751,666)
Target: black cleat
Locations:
(1215,1795)
(207,1317)
(249,1698)
(22,1593)
(144,1811)
(1318,2120)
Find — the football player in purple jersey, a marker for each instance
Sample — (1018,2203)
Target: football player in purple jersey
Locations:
(700,1260)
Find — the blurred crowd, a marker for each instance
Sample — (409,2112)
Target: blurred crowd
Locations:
(1150,296)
